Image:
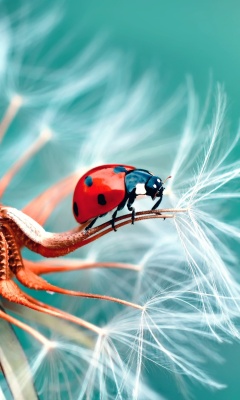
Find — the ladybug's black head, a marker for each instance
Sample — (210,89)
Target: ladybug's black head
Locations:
(154,187)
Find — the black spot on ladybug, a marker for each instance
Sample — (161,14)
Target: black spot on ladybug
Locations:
(101,200)
(119,169)
(88,181)
(75,209)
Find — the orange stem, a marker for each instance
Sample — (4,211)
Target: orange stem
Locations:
(10,291)
(42,339)
(46,267)
(32,281)
(41,207)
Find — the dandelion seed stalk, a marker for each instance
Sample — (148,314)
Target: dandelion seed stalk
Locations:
(13,108)
(33,332)
(41,140)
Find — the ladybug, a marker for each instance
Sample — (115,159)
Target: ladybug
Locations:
(104,188)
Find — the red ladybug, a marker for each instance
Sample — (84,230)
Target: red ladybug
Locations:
(110,186)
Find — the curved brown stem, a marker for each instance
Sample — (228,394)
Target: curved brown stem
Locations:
(144,216)
(34,237)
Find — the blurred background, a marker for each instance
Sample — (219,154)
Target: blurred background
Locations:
(177,39)
(174,40)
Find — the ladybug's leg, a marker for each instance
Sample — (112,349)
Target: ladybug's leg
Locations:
(91,224)
(113,219)
(157,203)
(120,207)
(133,211)
(131,200)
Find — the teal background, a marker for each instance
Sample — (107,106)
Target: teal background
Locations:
(175,38)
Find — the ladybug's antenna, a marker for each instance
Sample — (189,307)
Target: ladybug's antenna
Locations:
(166,179)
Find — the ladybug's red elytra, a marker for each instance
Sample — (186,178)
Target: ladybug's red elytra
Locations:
(110,186)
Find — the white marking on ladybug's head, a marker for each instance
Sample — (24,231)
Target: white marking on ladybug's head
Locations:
(140,189)
(154,185)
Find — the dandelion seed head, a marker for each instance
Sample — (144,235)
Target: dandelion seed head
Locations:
(46,134)
(180,272)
